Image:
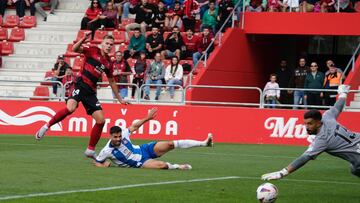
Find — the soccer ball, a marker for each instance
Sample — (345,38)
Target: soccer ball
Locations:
(267,193)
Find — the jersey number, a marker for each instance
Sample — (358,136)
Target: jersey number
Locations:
(344,134)
(75,92)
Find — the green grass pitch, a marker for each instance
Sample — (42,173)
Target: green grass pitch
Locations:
(56,164)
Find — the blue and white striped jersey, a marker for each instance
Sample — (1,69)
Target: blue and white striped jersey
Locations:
(125,155)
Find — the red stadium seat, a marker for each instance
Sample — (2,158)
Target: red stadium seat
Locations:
(78,63)
(42,91)
(131,62)
(99,35)
(17,35)
(48,75)
(166,63)
(165,35)
(28,22)
(11,21)
(67,60)
(3,33)
(1,20)
(357,6)
(124,22)
(105,80)
(7,48)
(122,47)
(70,52)
(119,36)
(81,34)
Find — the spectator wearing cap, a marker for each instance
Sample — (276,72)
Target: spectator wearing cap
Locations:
(173,44)
(154,75)
(59,72)
(189,47)
(154,42)
(136,45)
(202,45)
(40,4)
(160,16)
(68,81)
(333,78)
(255,5)
(144,16)
(121,72)
(173,16)
(210,18)
(191,9)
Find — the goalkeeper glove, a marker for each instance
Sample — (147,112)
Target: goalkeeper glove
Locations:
(343,90)
(275,175)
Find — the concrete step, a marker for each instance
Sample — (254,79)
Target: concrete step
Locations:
(20,73)
(62,17)
(21,77)
(73,5)
(28,63)
(39,49)
(49,36)
(58,27)
(18,93)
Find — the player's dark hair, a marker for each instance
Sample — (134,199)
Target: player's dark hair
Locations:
(115,129)
(314,114)
(108,37)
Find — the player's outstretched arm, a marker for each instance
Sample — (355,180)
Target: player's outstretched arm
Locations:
(151,115)
(115,90)
(296,164)
(335,111)
(77,46)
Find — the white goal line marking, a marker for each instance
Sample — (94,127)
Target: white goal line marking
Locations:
(168,183)
(114,188)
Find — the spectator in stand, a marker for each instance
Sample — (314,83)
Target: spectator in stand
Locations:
(160,16)
(138,71)
(109,16)
(31,5)
(210,18)
(307,6)
(255,5)
(333,78)
(189,47)
(297,81)
(345,6)
(45,3)
(20,7)
(327,6)
(283,78)
(314,80)
(69,82)
(329,65)
(173,16)
(271,94)
(204,6)
(191,9)
(91,20)
(59,72)
(225,9)
(103,4)
(154,75)
(154,42)
(144,15)
(202,44)
(136,45)
(173,44)
(123,8)
(3,5)
(121,71)
(173,75)
(293,5)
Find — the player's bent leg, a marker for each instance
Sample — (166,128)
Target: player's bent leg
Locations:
(160,148)
(95,133)
(355,170)
(59,116)
(156,164)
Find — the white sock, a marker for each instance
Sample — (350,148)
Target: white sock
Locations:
(172,166)
(46,126)
(184,144)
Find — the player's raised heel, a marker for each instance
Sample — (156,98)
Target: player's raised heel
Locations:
(41,132)
(209,141)
(185,167)
(90,154)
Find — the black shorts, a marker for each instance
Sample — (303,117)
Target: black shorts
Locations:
(84,94)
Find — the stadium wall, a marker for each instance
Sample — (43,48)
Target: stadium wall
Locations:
(229,125)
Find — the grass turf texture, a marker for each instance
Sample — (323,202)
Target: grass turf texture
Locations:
(57,164)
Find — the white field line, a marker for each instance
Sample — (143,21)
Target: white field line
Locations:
(168,183)
(114,188)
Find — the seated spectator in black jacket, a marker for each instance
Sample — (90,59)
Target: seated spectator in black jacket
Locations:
(225,9)
(154,43)
(59,72)
(173,44)
(160,15)
(144,16)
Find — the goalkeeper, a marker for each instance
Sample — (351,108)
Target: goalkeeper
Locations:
(330,137)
